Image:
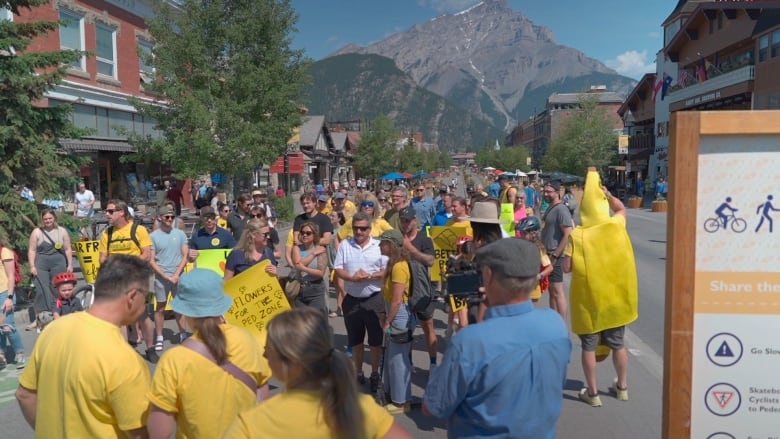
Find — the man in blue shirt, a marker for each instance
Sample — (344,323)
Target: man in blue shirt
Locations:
(210,237)
(424,207)
(445,213)
(504,377)
(494,189)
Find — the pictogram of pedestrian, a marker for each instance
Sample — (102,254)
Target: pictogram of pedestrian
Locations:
(723,219)
(765,208)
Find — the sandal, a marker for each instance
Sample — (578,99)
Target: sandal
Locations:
(158,346)
(31,326)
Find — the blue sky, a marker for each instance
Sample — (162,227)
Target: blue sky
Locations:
(624,34)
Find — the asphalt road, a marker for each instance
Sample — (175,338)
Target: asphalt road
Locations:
(640,417)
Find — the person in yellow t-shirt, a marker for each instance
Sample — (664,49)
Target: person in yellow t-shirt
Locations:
(321,399)
(460,213)
(179,399)
(122,241)
(223,210)
(529,228)
(83,379)
(369,206)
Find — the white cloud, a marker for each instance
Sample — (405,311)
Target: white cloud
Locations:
(447,5)
(632,63)
(654,34)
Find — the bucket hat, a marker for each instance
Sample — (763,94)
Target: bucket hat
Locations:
(200,294)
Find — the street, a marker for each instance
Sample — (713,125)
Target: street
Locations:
(640,417)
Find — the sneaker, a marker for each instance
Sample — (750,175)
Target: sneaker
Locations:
(159,345)
(594,401)
(394,409)
(151,356)
(20,361)
(332,314)
(374,382)
(620,394)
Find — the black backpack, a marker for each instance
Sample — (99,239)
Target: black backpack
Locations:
(421,294)
(133,237)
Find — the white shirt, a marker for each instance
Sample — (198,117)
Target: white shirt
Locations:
(83,206)
(350,257)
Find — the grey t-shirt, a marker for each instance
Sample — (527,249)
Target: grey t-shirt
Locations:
(555,217)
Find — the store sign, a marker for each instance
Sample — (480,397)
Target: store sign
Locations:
(702,98)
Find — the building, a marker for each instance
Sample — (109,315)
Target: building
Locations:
(716,56)
(638,115)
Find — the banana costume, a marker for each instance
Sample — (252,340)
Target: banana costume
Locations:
(604,291)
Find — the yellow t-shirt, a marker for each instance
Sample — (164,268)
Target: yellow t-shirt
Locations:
(7,255)
(455,223)
(399,275)
(298,413)
(378,226)
(290,238)
(222,222)
(90,382)
(204,397)
(537,292)
(121,243)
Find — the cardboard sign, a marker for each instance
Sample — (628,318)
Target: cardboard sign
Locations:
(458,303)
(89,258)
(507,218)
(213,260)
(445,243)
(257,296)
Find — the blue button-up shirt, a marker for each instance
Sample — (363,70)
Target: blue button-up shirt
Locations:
(503,378)
(425,210)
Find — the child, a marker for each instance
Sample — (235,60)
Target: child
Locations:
(529,227)
(66,303)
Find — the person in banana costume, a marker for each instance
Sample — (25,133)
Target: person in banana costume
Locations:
(604,291)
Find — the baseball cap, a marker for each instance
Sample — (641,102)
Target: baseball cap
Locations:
(555,184)
(166,210)
(503,177)
(322,198)
(443,189)
(392,235)
(407,213)
(339,196)
(511,257)
(207,211)
(257,192)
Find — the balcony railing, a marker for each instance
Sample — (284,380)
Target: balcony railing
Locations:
(736,76)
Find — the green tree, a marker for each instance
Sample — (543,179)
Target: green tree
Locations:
(374,157)
(29,132)
(229,85)
(587,139)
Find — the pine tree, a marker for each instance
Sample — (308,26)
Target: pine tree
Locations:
(29,130)
(229,87)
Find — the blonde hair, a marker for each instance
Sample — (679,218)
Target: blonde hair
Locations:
(247,242)
(369,197)
(302,337)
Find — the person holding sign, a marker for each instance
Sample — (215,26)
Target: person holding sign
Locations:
(311,260)
(209,237)
(220,362)
(251,249)
(320,398)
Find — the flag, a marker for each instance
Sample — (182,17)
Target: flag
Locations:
(657,88)
(701,74)
(682,78)
(665,87)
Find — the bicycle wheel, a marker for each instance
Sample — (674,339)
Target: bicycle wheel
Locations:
(738,225)
(712,225)
(85,294)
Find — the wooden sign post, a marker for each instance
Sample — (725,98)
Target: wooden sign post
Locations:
(721,343)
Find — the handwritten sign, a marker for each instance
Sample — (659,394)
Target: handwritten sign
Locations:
(458,303)
(445,243)
(89,258)
(213,260)
(507,218)
(257,296)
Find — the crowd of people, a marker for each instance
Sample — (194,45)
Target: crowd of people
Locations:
(368,245)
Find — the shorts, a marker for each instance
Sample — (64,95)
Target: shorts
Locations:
(612,337)
(427,313)
(557,273)
(162,287)
(364,315)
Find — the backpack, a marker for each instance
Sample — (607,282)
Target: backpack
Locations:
(570,202)
(17,269)
(421,294)
(133,237)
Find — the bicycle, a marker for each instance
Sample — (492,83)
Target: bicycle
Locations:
(738,225)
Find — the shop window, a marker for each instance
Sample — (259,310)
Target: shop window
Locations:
(72,36)
(84,116)
(763,48)
(776,43)
(105,50)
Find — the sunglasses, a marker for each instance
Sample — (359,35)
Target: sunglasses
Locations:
(307,233)
(226,211)
(256,215)
(110,211)
(361,228)
(420,190)
(382,200)
(367,204)
(210,218)
(168,217)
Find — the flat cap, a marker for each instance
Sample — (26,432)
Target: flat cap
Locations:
(511,257)
(407,213)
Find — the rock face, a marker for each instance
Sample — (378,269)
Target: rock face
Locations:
(489,60)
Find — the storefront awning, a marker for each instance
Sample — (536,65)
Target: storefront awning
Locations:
(79,145)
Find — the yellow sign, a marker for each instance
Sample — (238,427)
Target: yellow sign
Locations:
(89,258)
(507,218)
(458,303)
(213,260)
(257,296)
(445,243)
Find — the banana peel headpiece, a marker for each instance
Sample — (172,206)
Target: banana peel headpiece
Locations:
(604,291)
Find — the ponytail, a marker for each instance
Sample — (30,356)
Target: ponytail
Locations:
(208,330)
(340,398)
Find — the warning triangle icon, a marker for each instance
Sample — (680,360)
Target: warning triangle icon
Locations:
(724,350)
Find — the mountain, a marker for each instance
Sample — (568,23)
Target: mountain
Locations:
(492,61)
(348,86)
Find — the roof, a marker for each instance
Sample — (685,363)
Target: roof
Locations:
(311,129)
(767,20)
(683,6)
(574,98)
(339,140)
(78,145)
(645,85)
